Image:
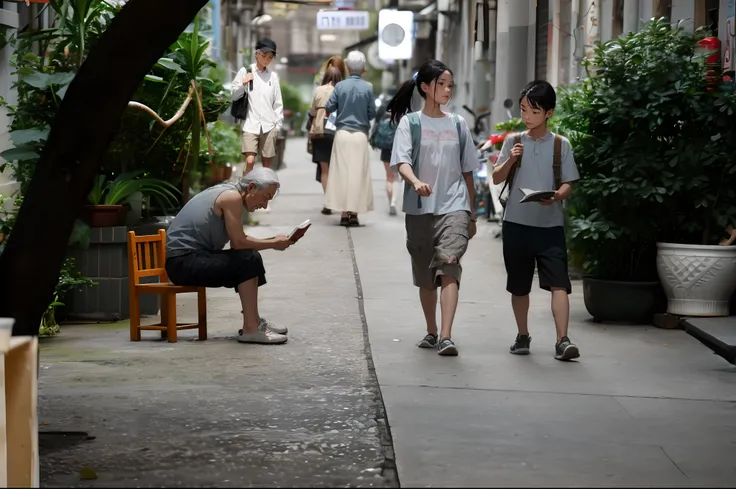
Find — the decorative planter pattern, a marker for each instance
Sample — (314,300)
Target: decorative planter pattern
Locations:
(699,280)
(616,301)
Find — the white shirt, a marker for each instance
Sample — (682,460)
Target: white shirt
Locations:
(439,164)
(265,107)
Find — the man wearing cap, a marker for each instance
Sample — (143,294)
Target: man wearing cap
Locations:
(265,108)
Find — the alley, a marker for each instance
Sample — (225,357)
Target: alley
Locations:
(643,406)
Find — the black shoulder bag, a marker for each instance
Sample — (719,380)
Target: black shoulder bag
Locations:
(239,108)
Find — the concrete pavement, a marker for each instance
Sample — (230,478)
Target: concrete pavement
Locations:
(643,406)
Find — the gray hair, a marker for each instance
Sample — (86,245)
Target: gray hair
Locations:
(355,61)
(261,177)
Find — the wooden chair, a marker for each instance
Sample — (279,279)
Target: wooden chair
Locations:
(147,258)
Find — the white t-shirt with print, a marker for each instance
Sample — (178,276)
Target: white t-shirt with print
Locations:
(438,165)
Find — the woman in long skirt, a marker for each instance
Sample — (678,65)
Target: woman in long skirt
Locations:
(349,188)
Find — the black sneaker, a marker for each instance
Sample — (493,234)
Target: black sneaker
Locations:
(429,341)
(446,347)
(566,350)
(521,345)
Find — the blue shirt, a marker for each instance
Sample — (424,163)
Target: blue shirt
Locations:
(352,103)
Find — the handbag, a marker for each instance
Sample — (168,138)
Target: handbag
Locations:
(239,108)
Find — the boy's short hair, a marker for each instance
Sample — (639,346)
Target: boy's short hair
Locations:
(540,94)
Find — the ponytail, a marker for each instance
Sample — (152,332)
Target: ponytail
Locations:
(400,104)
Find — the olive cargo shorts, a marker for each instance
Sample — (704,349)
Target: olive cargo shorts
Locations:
(433,241)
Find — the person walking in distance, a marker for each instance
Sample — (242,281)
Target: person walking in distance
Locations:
(322,137)
(382,138)
(265,107)
(349,187)
(533,232)
(434,153)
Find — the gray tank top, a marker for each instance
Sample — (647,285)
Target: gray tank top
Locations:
(197,227)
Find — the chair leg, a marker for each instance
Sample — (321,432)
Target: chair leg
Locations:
(202,313)
(164,315)
(171,331)
(135,316)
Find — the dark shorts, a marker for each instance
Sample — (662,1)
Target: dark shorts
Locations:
(224,268)
(432,241)
(385,155)
(527,246)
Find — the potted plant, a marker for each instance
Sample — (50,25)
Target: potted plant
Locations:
(696,258)
(108,198)
(639,97)
(227,148)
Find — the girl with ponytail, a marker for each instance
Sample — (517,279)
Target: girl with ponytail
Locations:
(435,155)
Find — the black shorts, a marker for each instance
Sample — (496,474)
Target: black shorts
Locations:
(525,246)
(385,155)
(224,268)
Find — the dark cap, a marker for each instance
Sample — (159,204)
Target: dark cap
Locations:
(266,45)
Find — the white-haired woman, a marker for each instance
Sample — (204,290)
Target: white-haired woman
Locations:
(349,187)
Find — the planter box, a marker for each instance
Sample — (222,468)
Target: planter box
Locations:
(106,262)
(630,302)
(699,280)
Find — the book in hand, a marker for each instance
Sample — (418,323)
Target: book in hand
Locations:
(536,195)
(299,231)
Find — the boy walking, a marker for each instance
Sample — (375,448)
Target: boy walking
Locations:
(533,232)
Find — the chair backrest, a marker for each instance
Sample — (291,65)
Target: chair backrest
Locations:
(147,257)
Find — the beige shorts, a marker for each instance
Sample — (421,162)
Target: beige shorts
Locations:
(433,241)
(263,143)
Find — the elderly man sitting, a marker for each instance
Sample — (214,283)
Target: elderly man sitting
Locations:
(198,234)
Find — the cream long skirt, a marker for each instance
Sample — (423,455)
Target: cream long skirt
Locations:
(349,186)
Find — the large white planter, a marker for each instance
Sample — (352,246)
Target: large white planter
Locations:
(699,280)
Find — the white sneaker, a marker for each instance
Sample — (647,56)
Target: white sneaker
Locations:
(392,210)
(269,325)
(262,336)
(272,327)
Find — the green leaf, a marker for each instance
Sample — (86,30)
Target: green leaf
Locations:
(23,136)
(21,153)
(45,80)
(715,137)
(154,78)
(170,64)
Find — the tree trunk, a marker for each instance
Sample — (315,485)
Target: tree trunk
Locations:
(83,128)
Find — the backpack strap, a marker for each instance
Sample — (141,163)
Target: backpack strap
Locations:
(512,173)
(557,162)
(461,137)
(415,129)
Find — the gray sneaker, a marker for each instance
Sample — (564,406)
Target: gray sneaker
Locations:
(566,350)
(429,341)
(446,347)
(521,345)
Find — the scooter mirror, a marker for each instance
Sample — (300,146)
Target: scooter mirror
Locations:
(508,103)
